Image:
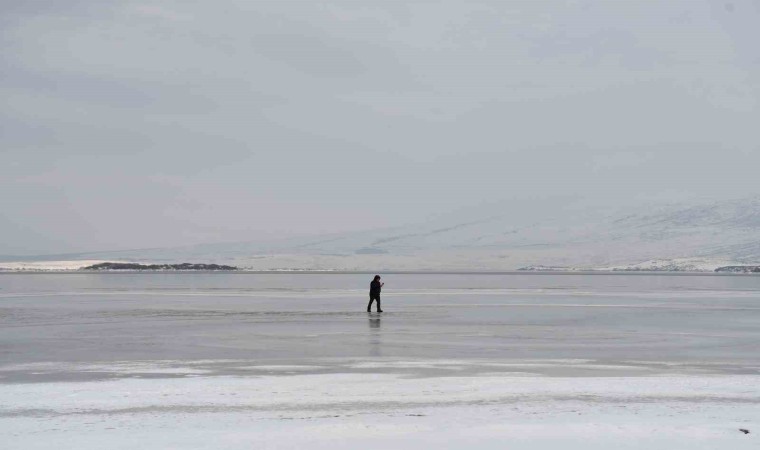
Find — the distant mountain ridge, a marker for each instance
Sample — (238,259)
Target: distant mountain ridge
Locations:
(651,237)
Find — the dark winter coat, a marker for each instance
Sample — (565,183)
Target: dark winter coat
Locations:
(374,288)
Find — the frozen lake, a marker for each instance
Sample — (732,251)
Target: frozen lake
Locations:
(117,348)
(700,320)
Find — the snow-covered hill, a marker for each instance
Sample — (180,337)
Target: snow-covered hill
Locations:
(578,236)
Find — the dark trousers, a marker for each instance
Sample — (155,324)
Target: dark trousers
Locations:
(376,297)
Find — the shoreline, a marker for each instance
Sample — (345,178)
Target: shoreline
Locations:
(387,272)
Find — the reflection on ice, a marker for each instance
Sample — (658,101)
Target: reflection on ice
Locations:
(375,343)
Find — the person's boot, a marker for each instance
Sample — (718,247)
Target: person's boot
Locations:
(379,310)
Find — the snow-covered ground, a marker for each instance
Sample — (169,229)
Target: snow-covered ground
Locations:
(36,266)
(378,410)
(675,265)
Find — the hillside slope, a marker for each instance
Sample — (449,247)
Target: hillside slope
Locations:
(661,237)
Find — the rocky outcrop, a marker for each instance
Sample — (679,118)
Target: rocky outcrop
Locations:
(136,266)
(739,269)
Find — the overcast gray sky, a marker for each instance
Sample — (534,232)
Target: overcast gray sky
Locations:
(131,124)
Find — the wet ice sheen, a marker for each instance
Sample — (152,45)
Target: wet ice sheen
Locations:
(306,318)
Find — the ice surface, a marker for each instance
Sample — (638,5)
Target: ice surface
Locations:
(457,361)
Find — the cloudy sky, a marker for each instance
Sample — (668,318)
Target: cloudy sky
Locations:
(132,124)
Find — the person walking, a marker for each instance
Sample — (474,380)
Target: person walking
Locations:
(374,293)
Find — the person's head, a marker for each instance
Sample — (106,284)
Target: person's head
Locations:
(377,278)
